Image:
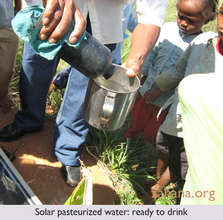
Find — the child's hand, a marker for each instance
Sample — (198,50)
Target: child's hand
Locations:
(152,95)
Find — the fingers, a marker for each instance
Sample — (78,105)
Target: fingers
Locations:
(79,26)
(50,8)
(132,71)
(57,19)
(61,23)
(50,30)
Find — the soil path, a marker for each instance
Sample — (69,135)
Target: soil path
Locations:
(36,162)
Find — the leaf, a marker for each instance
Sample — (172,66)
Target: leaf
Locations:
(77,196)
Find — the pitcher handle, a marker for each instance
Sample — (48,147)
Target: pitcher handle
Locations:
(107,109)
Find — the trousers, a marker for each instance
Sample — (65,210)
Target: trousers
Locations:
(71,129)
(8,48)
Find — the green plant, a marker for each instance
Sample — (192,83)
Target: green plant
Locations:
(131,165)
(77,196)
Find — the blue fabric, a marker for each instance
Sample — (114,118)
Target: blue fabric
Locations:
(61,79)
(129,22)
(35,78)
(71,128)
(168,49)
(27,25)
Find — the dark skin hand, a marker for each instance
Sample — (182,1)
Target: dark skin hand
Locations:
(57,19)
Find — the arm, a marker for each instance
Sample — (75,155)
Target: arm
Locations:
(18,6)
(144,38)
(170,79)
(150,15)
(57,19)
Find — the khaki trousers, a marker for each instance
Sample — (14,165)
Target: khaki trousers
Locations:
(8,49)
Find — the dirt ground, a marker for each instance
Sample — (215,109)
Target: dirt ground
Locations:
(36,162)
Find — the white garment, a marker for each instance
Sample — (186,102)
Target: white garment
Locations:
(151,11)
(26,3)
(105,17)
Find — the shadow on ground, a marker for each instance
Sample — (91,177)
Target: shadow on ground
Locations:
(34,159)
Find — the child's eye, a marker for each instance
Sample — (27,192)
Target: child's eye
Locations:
(191,21)
(181,17)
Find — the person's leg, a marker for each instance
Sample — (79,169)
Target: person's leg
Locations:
(178,160)
(183,159)
(35,77)
(71,128)
(178,163)
(162,170)
(156,190)
(161,164)
(163,154)
(8,48)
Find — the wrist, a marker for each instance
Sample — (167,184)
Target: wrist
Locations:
(135,62)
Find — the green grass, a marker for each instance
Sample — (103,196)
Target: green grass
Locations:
(120,158)
(131,166)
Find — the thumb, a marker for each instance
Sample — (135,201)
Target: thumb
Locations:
(130,72)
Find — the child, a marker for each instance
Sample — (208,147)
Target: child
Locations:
(171,44)
(173,40)
(200,57)
(8,48)
(202,126)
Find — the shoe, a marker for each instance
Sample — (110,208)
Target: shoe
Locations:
(72,175)
(12,132)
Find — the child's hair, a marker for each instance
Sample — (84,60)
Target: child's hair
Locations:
(210,9)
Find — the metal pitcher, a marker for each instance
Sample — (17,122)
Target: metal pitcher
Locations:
(108,102)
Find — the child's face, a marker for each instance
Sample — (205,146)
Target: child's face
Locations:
(220,23)
(190,18)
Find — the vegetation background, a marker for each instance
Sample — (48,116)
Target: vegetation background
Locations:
(131,165)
